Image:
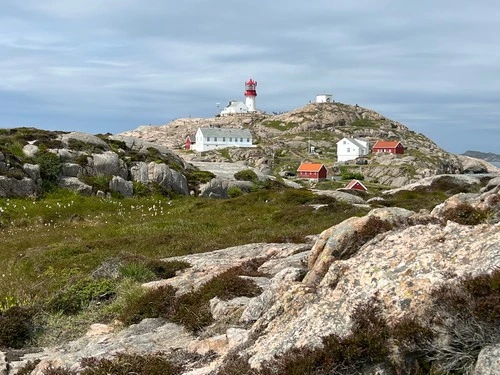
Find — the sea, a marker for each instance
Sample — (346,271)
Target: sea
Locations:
(495,163)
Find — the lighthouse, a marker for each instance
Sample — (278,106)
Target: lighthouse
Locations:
(250,94)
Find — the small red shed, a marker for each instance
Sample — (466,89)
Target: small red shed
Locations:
(356,185)
(393,147)
(312,171)
(189,142)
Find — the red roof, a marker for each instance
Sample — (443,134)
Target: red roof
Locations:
(251,82)
(353,183)
(310,167)
(386,144)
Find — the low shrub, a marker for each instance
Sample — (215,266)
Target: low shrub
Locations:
(125,364)
(16,327)
(465,214)
(246,175)
(137,271)
(50,165)
(154,303)
(97,182)
(234,192)
(192,309)
(79,295)
(349,174)
(166,269)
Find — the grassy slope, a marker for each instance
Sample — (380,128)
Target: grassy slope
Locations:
(45,243)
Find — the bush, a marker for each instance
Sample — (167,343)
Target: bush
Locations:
(349,174)
(50,165)
(97,182)
(78,296)
(16,327)
(154,303)
(192,310)
(234,192)
(137,271)
(246,175)
(465,214)
(125,364)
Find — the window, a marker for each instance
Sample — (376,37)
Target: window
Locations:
(215,139)
(223,139)
(248,140)
(241,140)
(344,142)
(208,139)
(230,139)
(348,149)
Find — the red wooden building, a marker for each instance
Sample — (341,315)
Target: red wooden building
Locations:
(393,147)
(312,171)
(356,185)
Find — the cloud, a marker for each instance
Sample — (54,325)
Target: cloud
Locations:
(119,64)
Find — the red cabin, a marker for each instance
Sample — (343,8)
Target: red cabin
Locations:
(356,185)
(312,171)
(393,147)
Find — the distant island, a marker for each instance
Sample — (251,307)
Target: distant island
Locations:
(487,156)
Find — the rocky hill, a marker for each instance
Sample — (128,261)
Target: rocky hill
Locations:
(33,161)
(487,156)
(283,141)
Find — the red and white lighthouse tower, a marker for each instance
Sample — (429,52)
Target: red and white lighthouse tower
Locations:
(250,93)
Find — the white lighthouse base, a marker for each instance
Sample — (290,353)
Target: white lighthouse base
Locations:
(250,103)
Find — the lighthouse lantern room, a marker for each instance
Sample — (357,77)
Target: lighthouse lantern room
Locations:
(250,94)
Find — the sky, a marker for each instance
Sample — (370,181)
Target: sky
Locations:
(109,66)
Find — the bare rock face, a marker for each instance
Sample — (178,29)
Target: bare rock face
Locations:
(473,165)
(488,361)
(73,183)
(488,201)
(402,266)
(149,336)
(30,150)
(161,174)
(122,186)
(12,187)
(107,164)
(218,187)
(441,182)
(83,137)
(343,240)
(71,170)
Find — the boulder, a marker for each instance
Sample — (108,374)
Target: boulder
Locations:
(348,197)
(107,164)
(12,187)
(474,165)
(73,183)
(161,174)
(33,172)
(4,367)
(168,178)
(83,137)
(218,187)
(444,182)
(488,361)
(71,170)
(122,186)
(30,151)
(493,183)
(345,239)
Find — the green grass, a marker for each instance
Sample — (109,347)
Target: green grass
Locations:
(48,243)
